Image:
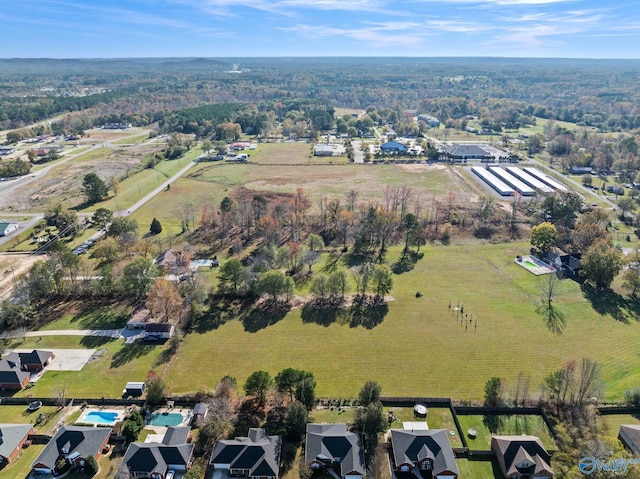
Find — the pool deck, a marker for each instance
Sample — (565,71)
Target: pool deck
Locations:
(541,269)
(185,413)
(83,422)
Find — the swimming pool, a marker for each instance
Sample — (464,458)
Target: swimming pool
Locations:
(165,419)
(99,417)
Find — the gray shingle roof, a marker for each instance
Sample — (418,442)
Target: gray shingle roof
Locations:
(329,442)
(258,453)
(630,433)
(469,151)
(200,408)
(415,446)
(11,435)
(87,441)
(153,457)
(510,450)
(176,435)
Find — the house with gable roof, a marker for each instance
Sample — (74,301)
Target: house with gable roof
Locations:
(629,435)
(333,446)
(256,456)
(424,452)
(522,457)
(158,460)
(73,444)
(16,368)
(13,437)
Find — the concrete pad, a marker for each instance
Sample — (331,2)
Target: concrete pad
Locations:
(65,359)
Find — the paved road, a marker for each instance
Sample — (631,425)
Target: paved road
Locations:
(129,335)
(358,155)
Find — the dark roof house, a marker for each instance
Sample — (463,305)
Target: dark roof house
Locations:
(630,436)
(156,460)
(522,457)
(72,443)
(35,360)
(424,450)
(255,456)
(331,445)
(11,376)
(12,440)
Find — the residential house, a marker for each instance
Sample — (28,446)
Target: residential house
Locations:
(393,147)
(256,456)
(581,170)
(158,460)
(332,445)
(173,261)
(200,411)
(160,330)
(426,453)
(431,121)
(35,360)
(615,189)
(13,437)
(141,319)
(16,368)
(629,435)
(7,227)
(73,444)
(567,265)
(522,457)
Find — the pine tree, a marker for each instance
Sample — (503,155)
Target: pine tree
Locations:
(156,227)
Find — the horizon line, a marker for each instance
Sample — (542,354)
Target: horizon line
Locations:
(302,57)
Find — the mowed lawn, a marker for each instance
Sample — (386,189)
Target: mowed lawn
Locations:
(117,364)
(420,348)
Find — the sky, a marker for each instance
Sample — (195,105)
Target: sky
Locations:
(307,28)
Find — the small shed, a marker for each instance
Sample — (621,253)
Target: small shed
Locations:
(133,389)
(199,413)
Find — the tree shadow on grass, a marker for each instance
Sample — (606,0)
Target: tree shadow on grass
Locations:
(324,313)
(608,302)
(554,318)
(129,352)
(406,262)
(102,314)
(93,342)
(265,315)
(220,311)
(366,312)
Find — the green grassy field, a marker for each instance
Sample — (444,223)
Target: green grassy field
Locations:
(21,467)
(511,426)
(421,339)
(106,377)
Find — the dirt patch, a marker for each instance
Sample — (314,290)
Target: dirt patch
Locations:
(13,265)
(419,167)
(96,355)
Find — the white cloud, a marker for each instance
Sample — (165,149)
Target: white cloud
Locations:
(376,35)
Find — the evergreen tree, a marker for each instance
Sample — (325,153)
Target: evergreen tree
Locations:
(156,227)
